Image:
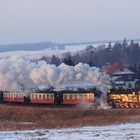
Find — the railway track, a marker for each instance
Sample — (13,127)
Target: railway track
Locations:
(63,107)
(54,107)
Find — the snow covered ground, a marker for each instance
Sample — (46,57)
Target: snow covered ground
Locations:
(46,52)
(33,54)
(112,132)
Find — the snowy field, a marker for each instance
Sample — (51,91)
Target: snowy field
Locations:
(113,132)
(45,52)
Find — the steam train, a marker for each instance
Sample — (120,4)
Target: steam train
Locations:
(48,97)
(116,98)
(124,98)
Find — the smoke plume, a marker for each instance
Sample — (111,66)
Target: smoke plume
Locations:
(18,73)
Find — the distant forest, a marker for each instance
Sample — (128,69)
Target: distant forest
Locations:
(123,53)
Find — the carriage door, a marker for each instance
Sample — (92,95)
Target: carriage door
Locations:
(1,96)
(58,98)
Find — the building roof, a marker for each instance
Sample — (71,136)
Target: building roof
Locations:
(125,71)
(113,68)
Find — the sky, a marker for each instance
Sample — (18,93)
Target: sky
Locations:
(63,21)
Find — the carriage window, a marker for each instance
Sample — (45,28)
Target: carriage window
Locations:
(47,96)
(80,96)
(40,96)
(16,96)
(65,96)
(33,95)
(90,96)
(43,96)
(85,96)
(75,96)
(51,96)
(36,96)
(70,96)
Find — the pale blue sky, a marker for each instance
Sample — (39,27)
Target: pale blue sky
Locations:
(68,20)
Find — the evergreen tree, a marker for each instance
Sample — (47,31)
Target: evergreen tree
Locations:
(67,59)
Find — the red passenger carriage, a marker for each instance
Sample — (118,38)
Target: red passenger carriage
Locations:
(42,98)
(13,97)
(78,98)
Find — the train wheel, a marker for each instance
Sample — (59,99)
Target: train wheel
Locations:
(126,105)
(117,105)
(138,105)
(132,105)
(112,104)
(121,106)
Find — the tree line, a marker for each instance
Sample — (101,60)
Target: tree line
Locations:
(120,52)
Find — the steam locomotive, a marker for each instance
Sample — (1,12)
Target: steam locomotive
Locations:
(124,98)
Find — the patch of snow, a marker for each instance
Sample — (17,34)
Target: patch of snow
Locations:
(112,132)
(33,54)
(46,52)
(125,71)
(74,48)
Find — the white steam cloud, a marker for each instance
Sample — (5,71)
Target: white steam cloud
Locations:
(17,73)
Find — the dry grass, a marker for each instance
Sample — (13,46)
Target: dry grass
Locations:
(12,116)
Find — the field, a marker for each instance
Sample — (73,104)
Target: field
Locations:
(23,118)
(111,132)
